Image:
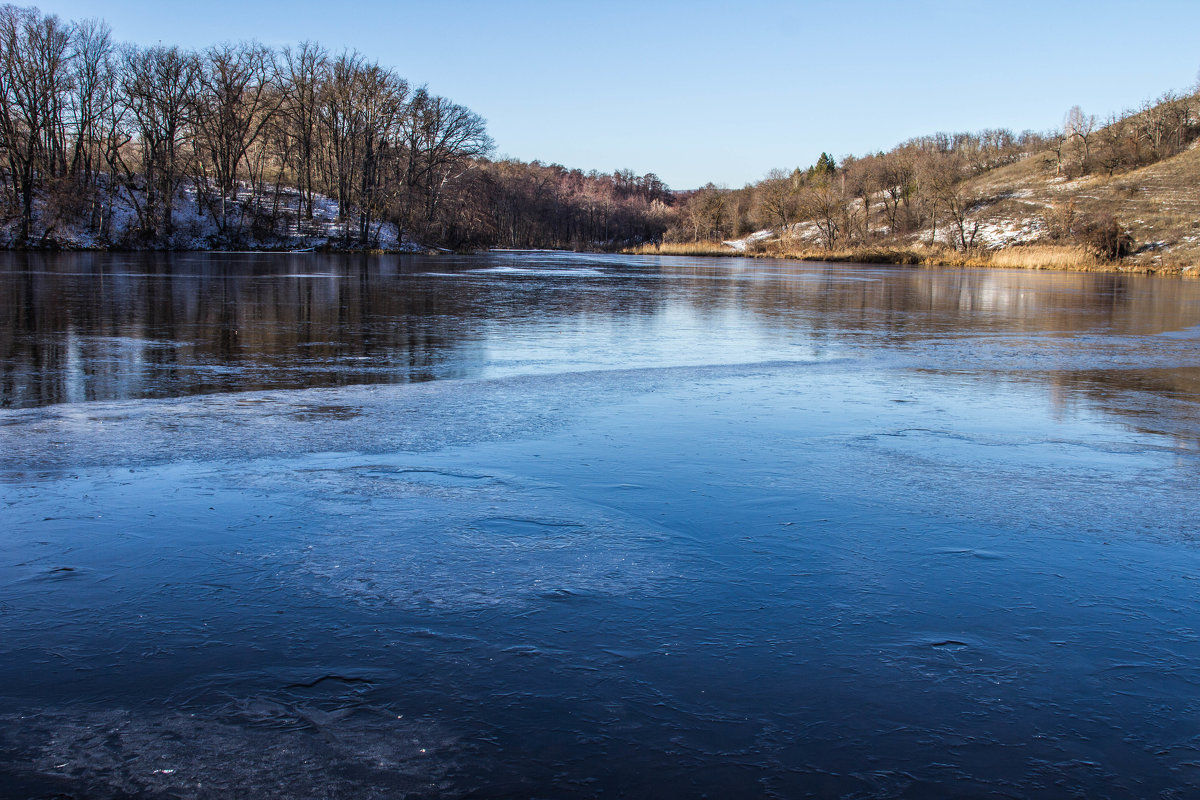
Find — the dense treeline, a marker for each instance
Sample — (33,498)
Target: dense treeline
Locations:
(550,206)
(96,128)
(120,140)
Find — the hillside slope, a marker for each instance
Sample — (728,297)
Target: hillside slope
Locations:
(1158,205)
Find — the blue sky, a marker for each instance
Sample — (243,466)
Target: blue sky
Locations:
(699,91)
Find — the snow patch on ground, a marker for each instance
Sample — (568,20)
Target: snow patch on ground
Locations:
(1010,232)
(806,231)
(741,244)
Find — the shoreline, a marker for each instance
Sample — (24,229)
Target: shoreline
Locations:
(1018,258)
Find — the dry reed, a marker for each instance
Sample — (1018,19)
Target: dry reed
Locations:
(682,249)
(1075,258)
(1069,257)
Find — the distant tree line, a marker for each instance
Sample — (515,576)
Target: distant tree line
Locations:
(537,205)
(920,184)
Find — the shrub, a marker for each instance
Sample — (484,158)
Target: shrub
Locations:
(1105,235)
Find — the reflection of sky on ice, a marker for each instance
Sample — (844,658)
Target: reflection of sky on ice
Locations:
(877,571)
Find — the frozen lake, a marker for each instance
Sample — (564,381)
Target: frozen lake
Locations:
(554,525)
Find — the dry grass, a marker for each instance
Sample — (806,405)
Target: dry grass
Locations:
(1074,258)
(857,255)
(775,249)
(682,249)
(1070,257)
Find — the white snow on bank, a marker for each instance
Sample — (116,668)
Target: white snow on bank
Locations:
(740,244)
(1010,232)
(992,234)
(196,228)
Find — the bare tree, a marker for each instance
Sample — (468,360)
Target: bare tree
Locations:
(442,140)
(235,99)
(91,97)
(1081,127)
(779,199)
(898,178)
(382,98)
(705,210)
(1115,146)
(862,178)
(1056,142)
(943,179)
(341,129)
(825,205)
(159,85)
(304,70)
(34,81)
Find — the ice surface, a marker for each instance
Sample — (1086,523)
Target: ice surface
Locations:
(933,560)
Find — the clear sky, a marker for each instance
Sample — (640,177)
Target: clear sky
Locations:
(722,91)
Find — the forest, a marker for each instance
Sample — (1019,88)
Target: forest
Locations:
(118,146)
(122,146)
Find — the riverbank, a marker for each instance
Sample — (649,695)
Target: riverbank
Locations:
(1071,258)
